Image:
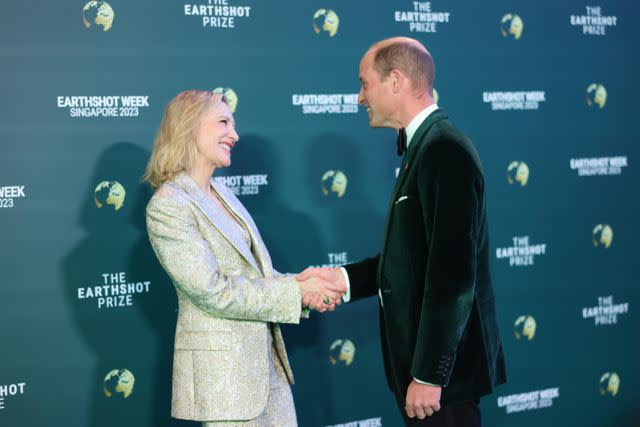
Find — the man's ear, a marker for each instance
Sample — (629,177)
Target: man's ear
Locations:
(397,80)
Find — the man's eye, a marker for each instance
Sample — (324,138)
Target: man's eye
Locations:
(225,121)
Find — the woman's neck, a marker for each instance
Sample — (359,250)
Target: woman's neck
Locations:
(201,174)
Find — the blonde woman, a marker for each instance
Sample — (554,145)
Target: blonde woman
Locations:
(230,366)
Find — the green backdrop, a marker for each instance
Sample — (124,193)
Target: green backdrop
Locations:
(546,90)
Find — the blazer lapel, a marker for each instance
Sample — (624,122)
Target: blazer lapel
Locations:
(257,249)
(219,219)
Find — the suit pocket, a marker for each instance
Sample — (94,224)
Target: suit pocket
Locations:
(401,199)
(217,340)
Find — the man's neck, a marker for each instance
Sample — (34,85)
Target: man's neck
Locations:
(413,109)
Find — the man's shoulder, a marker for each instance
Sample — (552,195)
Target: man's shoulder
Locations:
(446,144)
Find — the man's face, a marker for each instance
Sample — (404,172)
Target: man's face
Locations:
(375,94)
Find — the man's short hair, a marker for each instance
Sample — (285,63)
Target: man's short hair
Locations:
(408,56)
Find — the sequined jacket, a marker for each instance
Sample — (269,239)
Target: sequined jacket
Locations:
(227,293)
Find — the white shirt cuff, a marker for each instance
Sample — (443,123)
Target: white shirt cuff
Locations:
(347,295)
(424,382)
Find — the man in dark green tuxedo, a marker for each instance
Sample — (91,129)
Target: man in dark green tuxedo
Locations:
(440,340)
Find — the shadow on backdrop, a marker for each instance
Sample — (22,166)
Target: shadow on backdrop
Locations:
(123,331)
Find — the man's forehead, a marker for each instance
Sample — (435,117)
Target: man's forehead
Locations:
(365,61)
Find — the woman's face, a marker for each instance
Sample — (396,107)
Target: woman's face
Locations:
(216,136)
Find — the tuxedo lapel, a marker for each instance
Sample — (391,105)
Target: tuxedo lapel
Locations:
(407,161)
(414,146)
(218,218)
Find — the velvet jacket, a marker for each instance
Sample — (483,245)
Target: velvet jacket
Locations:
(437,311)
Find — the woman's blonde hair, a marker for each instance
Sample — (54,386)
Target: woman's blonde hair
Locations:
(174,150)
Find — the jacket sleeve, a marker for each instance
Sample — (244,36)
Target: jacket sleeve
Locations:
(193,268)
(448,184)
(363,278)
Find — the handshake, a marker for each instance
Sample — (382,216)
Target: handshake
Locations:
(322,288)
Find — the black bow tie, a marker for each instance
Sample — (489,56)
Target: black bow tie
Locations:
(402,141)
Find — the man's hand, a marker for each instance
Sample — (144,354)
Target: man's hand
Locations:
(319,293)
(333,275)
(423,400)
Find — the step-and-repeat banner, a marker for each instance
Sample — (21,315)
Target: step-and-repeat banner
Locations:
(547,91)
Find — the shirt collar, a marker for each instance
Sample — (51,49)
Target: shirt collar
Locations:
(415,123)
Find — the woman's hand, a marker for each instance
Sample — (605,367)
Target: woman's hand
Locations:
(321,294)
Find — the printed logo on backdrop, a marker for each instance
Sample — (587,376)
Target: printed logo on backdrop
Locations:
(594,23)
(98,15)
(599,165)
(113,290)
(110,194)
(230,95)
(9,392)
(511,25)
(422,17)
(334,183)
(103,106)
(9,194)
(514,100)
(342,352)
(525,327)
(518,172)
(326,103)
(522,253)
(606,312)
(218,13)
(596,95)
(602,236)
(370,422)
(326,21)
(609,384)
(529,401)
(244,185)
(119,383)
(334,260)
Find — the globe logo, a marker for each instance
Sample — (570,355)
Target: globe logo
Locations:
(518,172)
(525,326)
(119,383)
(609,383)
(436,96)
(602,235)
(596,95)
(110,193)
(232,97)
(326,20)
(342,352)
(334,182)
(511,25)
(98,13)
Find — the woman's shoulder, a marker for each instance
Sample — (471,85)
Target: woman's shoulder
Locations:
(169,193)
